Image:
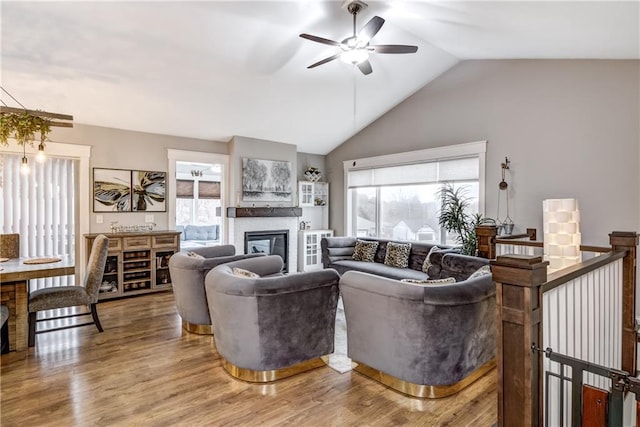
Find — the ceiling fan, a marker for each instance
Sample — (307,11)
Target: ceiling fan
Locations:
(355,49)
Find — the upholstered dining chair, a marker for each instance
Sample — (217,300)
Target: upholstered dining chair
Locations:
(71,296)
(10,245)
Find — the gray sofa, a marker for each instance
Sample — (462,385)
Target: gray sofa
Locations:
(273,326)
(187,276)
(425,341)
(337,253)
(196,236)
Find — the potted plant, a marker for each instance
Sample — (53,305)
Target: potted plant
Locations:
(455,217)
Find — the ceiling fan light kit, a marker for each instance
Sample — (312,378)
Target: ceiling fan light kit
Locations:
(356,48)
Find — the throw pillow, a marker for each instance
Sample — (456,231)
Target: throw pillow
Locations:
(482,271)
(241,272)
(365,250)
(430,281)
(427,260)
(397,254)
(194,255)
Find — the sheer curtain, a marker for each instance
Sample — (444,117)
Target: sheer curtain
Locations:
(41,207)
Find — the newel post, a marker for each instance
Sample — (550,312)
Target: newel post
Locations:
(627,241)
(486,235)
(518,297)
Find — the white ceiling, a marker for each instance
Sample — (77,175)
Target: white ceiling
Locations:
(215,69)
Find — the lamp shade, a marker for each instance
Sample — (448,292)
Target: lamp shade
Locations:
(561,228)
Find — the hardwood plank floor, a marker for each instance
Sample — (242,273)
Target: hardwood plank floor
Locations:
(143,370)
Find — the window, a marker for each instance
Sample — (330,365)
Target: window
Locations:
(40,207)
(396,197)
(198,194)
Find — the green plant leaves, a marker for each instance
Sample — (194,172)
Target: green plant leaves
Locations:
(23,127)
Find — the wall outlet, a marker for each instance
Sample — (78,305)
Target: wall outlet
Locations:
(99,219)
(149,218)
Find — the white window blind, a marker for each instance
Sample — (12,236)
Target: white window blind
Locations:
(465,169)
(41,208)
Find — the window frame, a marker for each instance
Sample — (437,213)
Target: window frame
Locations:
(450,152)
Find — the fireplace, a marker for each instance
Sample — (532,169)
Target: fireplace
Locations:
(271,242)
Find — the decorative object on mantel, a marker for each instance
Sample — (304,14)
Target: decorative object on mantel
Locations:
(22,125)
(266,181)
(506,226)
(312,174)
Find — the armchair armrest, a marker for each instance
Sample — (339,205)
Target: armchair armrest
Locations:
(210,263)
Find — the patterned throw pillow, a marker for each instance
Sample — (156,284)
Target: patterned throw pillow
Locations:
(482,271)
(241,272)
(194,255)
(365,250)
(430,281)
(427,260)
(397,254)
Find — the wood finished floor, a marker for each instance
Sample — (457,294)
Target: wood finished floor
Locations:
(143,370)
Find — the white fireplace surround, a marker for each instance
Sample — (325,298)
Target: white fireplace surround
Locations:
(238,226)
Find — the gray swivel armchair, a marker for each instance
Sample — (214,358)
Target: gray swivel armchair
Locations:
(422,340)
(70,296)
(187,277)
(273,326)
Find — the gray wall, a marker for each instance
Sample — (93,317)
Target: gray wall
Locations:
(569,127)
(122,149)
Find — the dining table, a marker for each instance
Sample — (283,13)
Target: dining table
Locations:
(14,291)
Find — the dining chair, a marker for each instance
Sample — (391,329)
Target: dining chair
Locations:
(71,296)
(10,245)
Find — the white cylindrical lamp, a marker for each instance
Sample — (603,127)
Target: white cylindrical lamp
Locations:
(561,228)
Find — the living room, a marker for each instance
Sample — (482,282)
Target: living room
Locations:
(566,117)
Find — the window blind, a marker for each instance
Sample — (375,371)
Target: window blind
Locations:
(41,208)
(463,169)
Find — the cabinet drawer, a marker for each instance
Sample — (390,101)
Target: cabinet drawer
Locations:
(115,244)
(138,242)
(168,241)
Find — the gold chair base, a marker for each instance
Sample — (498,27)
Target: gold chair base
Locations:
(252,376)
(197,329)
(420,390)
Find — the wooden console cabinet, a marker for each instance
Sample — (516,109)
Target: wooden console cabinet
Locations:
(137,262)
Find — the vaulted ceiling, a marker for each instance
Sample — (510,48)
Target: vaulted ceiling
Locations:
(215,69)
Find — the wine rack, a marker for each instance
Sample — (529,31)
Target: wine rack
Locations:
(137,263)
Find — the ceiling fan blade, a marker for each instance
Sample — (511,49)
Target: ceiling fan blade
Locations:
(394,48)
(319,39)
(365,67)
(371,28)
(325,60)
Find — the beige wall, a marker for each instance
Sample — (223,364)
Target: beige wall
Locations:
(122,149)
(569,127)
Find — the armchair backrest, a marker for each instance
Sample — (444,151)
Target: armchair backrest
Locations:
(95,266)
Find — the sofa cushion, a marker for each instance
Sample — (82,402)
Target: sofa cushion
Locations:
(430,281)
(397,254)
(194,255)
(482,271)
(427,260)
(365,250)
(378,269)
(241,272)
(180,228)
(201,232)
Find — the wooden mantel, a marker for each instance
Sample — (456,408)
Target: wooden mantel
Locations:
(259,212)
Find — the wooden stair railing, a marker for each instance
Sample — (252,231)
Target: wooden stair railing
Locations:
(519,286)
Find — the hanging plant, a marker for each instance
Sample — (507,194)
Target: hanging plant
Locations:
(23,127)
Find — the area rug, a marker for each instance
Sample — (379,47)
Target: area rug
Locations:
(338,360)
